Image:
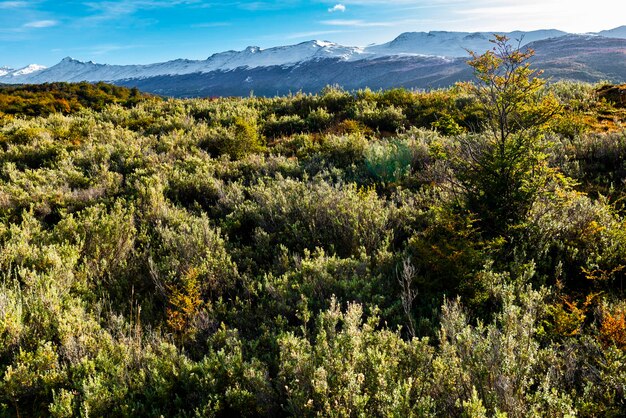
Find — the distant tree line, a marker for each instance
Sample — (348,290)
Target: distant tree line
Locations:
(65,98)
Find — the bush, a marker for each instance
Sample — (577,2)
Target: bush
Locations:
(237,141)
(342,220)
(354,369)
(389,161)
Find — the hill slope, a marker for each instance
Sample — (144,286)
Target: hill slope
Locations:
(414,60)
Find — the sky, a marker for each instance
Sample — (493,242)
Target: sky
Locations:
(147,31)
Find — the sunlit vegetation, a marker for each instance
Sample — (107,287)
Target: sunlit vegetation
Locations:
(390,253)
(65,98)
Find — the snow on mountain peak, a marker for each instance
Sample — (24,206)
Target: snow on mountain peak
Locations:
(26,71)
(72,70)
(5,70)
(324,44)
(72,61)
(452,44)
(254,56)
(433,43)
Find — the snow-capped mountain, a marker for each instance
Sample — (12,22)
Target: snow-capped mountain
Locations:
(452,44)
(413,59)
(30,69)
(574,57)
(7,74)
(252,57)
(5,70)
(449,44)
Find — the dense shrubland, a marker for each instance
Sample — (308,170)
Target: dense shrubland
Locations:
(66,98)
(343,254)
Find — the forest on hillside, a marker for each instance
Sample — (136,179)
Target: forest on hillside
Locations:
(457,252)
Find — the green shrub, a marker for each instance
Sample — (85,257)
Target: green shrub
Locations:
(389,161)
(307,215)
(354,369)
(236,141)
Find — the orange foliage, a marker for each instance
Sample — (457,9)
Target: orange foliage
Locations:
(613,328)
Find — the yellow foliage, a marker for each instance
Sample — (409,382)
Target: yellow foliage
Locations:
(602,275)
(184,302)
(567,318)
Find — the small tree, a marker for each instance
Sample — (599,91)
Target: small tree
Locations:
(501,166)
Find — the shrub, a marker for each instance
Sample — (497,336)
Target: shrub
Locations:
(389,161)
(307,215)
(354,369)
(237,141)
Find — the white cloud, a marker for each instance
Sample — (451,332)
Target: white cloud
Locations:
(12,4)
(126,7)
(106,49)
(41,24)
(337,8)
(568,15)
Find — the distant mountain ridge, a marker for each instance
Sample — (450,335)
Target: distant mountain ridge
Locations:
(582,57)
(73,70)
(452,44)
(5,71)
(413,59)
(619,32)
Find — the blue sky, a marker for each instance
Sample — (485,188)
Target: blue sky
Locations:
(144,31)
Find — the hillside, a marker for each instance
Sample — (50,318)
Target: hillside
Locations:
(583,58)
(44,99)
(574,57)
(419,60)
(366,253)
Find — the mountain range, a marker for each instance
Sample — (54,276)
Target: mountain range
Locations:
(412,60)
